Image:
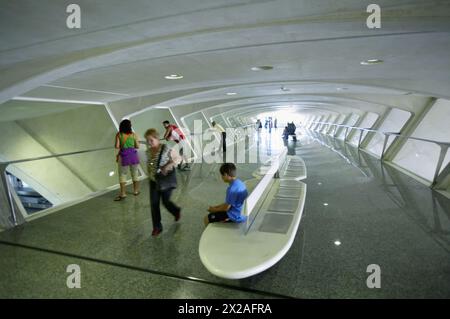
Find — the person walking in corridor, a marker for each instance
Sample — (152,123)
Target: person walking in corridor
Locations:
(161,163)
(174,133)
(223,133)
(127,144)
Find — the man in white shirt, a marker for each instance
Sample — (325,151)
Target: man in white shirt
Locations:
(222,131)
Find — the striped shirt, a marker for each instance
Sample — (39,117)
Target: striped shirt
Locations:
(152,159)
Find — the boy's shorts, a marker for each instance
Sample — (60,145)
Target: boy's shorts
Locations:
(219,217)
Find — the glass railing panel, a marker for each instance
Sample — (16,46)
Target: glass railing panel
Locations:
(377,142)
(60,180)
(421,158)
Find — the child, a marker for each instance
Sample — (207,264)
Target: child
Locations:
(231,210)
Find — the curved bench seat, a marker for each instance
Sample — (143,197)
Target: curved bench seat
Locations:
(274,209)
(261,171)
(236,251)
(293,169)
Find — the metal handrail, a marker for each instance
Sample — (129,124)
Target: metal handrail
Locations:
(443,145)
(54,156)
(385,133)
(7,186)
(75,153)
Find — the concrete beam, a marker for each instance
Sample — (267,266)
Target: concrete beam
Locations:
(366,140)
(355,131)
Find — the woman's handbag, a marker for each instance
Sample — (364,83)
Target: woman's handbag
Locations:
(128,156)
(165,182)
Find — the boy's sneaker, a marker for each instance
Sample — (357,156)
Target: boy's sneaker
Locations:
(156,231)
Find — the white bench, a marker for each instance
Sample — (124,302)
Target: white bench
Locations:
(293,169)
(274,210)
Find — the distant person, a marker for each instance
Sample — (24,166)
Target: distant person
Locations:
(286,133)
(173,133)
(222,131)
(231,210)
(127,142)
(292,129)
(275,123)
(161,163)
(258,125)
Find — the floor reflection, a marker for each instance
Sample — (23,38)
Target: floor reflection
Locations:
(429,209)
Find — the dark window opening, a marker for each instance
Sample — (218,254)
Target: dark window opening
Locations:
(32,201)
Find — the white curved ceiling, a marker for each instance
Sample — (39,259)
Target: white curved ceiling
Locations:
(125,48)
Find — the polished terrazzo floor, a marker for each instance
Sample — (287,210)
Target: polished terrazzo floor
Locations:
(357,212)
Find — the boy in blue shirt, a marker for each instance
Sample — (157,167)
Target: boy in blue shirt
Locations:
(231,210)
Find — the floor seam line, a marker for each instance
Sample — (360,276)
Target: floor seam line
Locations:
(154,272)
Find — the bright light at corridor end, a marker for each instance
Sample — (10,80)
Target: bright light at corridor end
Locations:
(285,115)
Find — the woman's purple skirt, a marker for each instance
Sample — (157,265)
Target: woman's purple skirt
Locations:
(129,156)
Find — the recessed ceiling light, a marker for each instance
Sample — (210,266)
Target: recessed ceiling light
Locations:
(285,89)
(161,107)
(371,62)
(111,173)
(173,77)
(231,93)
(325,204)
(342,89)
(262,68)
(337,243)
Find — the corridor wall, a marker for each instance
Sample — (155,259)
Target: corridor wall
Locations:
(421,157)
(350,122)
(367,122)
(151,118)
(394,123)
(65,129)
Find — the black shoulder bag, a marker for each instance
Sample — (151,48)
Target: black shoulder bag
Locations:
(165,182)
